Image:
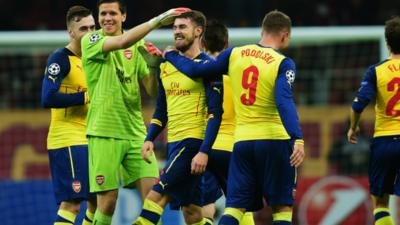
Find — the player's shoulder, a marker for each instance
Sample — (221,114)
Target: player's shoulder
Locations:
(378,64)
(278,54)
(59,52)
(203,57)
(92,37)
(288,61)
(163,61)
(58,62)
(59,56)
(165,67)
(371,70)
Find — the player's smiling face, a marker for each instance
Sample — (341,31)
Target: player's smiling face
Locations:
(111,18)
(185,32)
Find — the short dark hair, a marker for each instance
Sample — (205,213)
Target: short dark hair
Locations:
(392,34)
(76,13)
(122,4)
(215,36)
(195,16)
(276,21)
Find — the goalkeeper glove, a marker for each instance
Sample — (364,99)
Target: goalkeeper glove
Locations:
(167,17)
(86,94)
(151,54)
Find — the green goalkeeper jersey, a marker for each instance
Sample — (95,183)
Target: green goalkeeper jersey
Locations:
(113,83)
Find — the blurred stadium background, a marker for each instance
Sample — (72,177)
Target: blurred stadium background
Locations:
(333,42)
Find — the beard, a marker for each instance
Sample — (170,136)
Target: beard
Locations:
(184,47)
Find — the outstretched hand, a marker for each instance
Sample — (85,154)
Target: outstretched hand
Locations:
(151,54)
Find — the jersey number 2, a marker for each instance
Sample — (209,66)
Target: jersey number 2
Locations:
(390,111)
(249,82)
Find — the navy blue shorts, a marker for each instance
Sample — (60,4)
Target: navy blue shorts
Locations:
(261,168)
(384,165)
(211,189)
(69,173)
(218,165)
(175,179)
(215,179)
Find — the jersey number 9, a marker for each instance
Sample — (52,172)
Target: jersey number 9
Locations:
(249,82)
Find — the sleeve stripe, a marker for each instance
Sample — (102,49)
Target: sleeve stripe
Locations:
(156,121)
(299,141)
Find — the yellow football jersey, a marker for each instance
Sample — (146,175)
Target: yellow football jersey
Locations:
(186,105)
(387,106)
(253,70)
(68,125)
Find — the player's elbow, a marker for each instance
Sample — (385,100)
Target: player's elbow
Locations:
(218,113)
(215,113)
(359,106)
(45,102)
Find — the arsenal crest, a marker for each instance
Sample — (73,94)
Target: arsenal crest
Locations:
(76,186)
(100,179)
(128,54)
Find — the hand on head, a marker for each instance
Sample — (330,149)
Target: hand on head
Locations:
(167,17)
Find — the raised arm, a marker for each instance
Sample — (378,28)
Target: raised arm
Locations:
(133,35)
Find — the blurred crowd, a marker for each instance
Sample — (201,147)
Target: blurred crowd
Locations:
(49,15)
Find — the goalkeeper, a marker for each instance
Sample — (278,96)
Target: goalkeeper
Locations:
(115,126)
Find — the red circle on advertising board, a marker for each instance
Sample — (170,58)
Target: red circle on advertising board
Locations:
(335,200)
